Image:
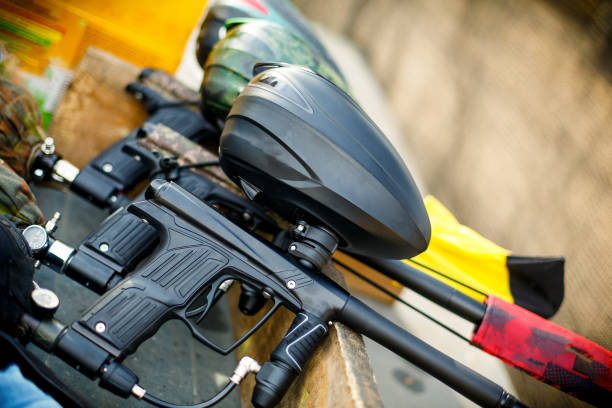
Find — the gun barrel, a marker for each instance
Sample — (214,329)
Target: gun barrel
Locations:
(467,382)
(431,288)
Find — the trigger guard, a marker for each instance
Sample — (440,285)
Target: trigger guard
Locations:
(209,302)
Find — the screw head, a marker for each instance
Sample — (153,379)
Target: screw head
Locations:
(267,295)
(113,198)
(103,247)
(107,167)
(144,221)
(291,284)
(300,227)
(137,157)
(100,327)
(292,248)
(39,173)
(48,146)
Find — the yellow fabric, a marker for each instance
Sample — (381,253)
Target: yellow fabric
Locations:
(464,255)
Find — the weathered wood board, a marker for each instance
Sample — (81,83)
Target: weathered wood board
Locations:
(96,112)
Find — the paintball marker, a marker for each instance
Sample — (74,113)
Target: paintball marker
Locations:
(115,171)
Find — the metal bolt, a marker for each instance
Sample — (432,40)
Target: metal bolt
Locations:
(246,216)
(301,227)
(267,295)
(113,198)
(145,221)
(137,158)
(291,284)
(100,327)
(330,323)
(39,173)
(292,248)
(103,247)
(48,146)
(107,167)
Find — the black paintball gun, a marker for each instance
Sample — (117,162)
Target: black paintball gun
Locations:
(107,178)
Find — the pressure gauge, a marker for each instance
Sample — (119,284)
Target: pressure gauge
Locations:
(37,238)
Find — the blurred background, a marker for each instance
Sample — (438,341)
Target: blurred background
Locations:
(502,109)
(506,107)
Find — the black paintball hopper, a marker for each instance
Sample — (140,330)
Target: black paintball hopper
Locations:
(297,143)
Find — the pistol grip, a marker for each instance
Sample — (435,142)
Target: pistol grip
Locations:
(305,334)
(134,310)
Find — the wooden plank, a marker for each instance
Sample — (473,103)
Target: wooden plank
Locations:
(96,112)
(356,284)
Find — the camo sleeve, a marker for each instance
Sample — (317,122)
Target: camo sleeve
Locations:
(20,127)
(17,202)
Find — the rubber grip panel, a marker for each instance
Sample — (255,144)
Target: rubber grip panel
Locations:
(132,311)
(300,342)
(546,351)
(125,239)
(287,360)
(120,166)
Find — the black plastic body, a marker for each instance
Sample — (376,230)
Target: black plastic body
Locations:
(298,144)
(80,353)
(44,162)
(118,379)
(109,252)
(104,188)
(438,292)
(114,171)
(198,247)
(125,238)
(91,272)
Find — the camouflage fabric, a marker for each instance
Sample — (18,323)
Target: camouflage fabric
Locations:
(8,63)
(229,66)
(168,86)
(17,202)
(21,130)
(171,143)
